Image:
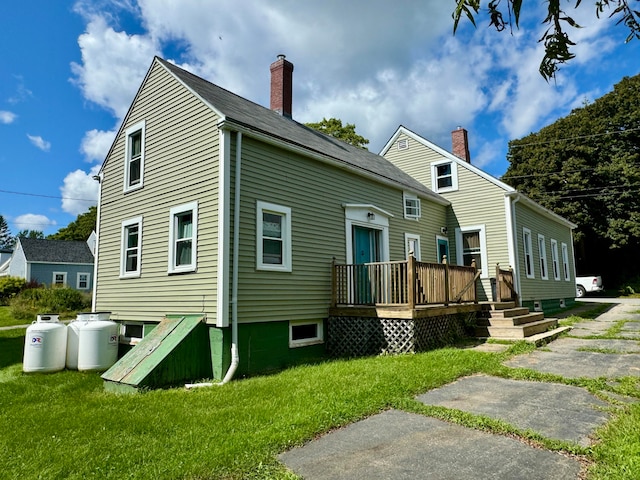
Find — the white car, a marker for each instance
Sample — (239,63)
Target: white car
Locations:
(588,284)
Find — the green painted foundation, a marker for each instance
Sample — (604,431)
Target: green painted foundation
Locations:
(550,306)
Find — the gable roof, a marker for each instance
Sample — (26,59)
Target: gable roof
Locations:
(237,111)
(55,251)
(508,189)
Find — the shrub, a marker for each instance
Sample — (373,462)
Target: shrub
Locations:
(63,301)
(10,287)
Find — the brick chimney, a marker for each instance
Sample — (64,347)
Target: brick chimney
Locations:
(460,144)
(281,86)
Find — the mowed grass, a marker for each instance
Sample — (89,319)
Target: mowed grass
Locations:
(63,425)
(7,320)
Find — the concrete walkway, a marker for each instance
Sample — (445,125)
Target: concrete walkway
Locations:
(401,445)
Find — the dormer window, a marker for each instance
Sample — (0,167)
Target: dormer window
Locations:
(134,157)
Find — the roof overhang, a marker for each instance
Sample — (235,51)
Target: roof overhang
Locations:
(540,209)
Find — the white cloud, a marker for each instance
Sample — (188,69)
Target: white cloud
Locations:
(39,142)
(113,65)
(79,191)
(7,117)
(96,144)
(30,221)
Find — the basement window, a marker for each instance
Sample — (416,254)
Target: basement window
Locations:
(305,333)
(131,332)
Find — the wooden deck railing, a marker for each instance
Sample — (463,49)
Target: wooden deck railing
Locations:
(407,282)
(505,289)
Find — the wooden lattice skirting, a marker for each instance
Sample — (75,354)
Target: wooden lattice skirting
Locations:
(359,336)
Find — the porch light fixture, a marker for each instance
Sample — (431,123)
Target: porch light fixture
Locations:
(371,216)
(443,230)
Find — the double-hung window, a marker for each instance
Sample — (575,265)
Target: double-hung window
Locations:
(60,279)
(444,176)
(565,262)
(528,253)
(131,247)
(183,237)
(273,239)
(134,157)
(542,250)
(472,245)
(82,282)
(554,259)
(411,206)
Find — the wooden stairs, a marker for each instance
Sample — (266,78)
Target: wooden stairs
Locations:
(505,321)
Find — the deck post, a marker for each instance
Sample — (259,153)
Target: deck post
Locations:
(411,281)
(475,284)
(447,292)
(498,282)
(334,283)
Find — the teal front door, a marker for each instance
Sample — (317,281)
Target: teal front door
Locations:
(366,249)
(443,249)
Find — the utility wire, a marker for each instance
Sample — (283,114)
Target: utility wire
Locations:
(579,137)
(48,196)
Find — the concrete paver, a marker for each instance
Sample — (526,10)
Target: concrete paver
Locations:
(554,410)
(405,446)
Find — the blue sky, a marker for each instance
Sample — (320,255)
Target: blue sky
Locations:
(70,69)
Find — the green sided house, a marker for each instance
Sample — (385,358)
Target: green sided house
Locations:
(219,222)
(491,222)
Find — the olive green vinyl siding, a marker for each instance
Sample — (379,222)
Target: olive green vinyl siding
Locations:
(532,289)
(181,164)
(315,192)
(476,202)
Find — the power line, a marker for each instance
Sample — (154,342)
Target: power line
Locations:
(48,196)
(578,137)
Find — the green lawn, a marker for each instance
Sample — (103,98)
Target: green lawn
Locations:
(63,425)
(7,320)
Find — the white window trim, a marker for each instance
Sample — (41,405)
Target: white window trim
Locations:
(408,196)
(555,259)
(192,265)
(78,280)
(407,238)
(565,262)
(64,278)
(286,265)
(528,252)
(368,216)
(454,176)
(319,338)
(123,247)
(403,144)
(140,126)
(484,273)
(542,254)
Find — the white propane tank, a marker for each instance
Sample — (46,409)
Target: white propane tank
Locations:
(45,345)
(73,337)
(97,343)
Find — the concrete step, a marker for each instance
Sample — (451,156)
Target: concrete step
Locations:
(548,336)
(518,332)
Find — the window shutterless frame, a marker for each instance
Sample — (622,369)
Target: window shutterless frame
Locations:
(411,206)
(528,253)
(183,238)
(82,281)
(134,157)
(131,248)
(273,237)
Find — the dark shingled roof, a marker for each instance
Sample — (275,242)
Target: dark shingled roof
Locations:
(56,251)
(258,118)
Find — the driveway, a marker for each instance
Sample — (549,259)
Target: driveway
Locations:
(401,445)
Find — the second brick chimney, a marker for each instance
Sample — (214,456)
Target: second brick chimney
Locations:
(282,86)
(460,144)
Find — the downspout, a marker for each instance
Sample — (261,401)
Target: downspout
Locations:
(94,297)
(235,358)
(514,241)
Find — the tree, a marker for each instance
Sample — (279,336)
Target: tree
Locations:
(586,167)
(557,43)
(346,133)
(6,240)
(30,234)
(80,228)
